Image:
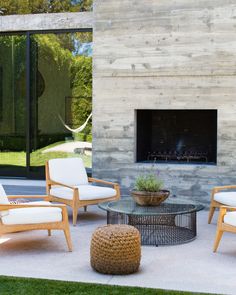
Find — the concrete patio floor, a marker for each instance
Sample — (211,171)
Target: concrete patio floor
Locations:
(192,266)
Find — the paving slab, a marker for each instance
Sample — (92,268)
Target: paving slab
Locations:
(191,267)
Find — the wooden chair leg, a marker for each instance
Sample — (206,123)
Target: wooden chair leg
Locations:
(75,214)
(219,234)
(68,238)
(49,232)
(85,208)
(211,213)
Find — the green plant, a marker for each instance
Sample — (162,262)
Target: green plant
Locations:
(149,182)
(43,6)
(28,286)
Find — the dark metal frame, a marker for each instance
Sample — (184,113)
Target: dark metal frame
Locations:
(28,115)
(28,172)
(1,94)
(57,31)
(160,230)
(166,224)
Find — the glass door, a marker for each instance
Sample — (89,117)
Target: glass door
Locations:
(60,98)
(13,105)
(45,100)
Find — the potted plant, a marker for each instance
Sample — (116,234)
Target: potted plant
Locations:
(148,190)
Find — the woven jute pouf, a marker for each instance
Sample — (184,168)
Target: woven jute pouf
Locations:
(115,249)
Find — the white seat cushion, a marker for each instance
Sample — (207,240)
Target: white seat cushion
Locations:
(86,192)
(230,218)
(33,215)
(3,201)
(68,171)
(227,198)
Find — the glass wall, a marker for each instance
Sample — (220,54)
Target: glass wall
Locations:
(45,98)
(61,91)
(8,7)
(12,105)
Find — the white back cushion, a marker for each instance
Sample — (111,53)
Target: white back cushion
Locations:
(68,171)
(3,200)
(226,198)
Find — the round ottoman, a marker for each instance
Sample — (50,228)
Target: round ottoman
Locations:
(115,249)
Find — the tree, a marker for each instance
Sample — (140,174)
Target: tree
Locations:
(61,49)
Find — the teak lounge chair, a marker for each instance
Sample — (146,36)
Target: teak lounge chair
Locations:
(221,197)
(67,183)
(38,215)
(226,222)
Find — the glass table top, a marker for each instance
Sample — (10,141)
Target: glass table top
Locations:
(171,206)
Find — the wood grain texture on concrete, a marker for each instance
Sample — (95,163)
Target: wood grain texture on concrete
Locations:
(46,21)
(163,55)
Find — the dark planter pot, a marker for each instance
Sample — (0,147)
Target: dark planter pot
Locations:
(150,198)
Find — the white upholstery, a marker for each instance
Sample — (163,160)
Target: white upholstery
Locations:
(226,198)
(86,192)
(33,215)
(230,218)
(3,201)
(68,171)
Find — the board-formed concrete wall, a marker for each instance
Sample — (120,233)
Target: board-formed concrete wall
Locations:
(46,21)
(156,55)
(163,55)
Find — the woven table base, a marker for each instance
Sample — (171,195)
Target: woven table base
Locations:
(115,249)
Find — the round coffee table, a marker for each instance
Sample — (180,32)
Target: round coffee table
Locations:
(171,223)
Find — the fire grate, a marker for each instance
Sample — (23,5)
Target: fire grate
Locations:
(185,156)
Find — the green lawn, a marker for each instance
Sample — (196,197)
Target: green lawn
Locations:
(38,158)
(13,158)
(24,286)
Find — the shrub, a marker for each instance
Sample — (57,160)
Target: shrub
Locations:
(148,182)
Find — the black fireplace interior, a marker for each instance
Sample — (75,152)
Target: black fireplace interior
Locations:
(177,136)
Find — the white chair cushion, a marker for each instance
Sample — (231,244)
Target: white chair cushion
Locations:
(230,218)
(227,198)
(33,215)
(68,171)
(86,192)
(3,201)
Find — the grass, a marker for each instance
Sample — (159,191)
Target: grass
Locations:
(28,286)
(13,158)
(38,158)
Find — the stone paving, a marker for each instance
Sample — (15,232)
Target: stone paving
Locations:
(192,266)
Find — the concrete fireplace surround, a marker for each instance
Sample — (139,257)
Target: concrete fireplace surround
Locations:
(156,55)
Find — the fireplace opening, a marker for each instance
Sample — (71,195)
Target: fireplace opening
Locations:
(177,136)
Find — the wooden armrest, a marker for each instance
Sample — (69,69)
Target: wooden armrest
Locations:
(227,208)
(91,179)
(222,212)
(25,205)
(27,197)
(61,184)
(224,187)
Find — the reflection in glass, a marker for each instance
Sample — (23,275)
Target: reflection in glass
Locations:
(12,104)
(61,92)
(60,73)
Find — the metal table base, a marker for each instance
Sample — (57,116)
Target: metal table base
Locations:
(168,225)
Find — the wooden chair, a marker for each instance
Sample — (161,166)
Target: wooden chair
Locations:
(67,183)
(226,222)
(38,215)
(220,197)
